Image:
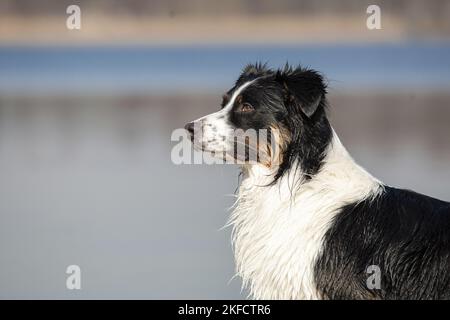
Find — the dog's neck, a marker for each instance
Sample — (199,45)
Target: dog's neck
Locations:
(337,166)
(267,218)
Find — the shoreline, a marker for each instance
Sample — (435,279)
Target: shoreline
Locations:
(221,30)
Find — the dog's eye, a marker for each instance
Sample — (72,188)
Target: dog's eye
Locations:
(246,107)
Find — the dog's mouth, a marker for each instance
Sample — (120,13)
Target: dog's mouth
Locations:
(239,146)
(202,146)
(236,150)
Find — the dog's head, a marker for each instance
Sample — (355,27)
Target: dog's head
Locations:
(278,116)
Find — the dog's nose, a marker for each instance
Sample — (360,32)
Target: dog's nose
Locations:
(190,128)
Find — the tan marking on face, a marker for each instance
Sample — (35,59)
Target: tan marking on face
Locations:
(276,148)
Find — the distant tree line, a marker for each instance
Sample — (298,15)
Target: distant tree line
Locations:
(437,9)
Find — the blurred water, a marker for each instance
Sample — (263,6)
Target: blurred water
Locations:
(92,184)
(86,174)
(147,69)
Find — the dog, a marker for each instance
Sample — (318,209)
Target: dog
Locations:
(314,224)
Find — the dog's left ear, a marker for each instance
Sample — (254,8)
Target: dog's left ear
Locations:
(304,89)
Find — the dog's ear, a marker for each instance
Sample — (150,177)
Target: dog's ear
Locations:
(304,89)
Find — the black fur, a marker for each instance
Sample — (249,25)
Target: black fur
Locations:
(406,234)
(290,97)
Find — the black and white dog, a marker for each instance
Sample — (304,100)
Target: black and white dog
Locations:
(311,224)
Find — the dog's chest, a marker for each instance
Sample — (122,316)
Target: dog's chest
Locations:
(277,236)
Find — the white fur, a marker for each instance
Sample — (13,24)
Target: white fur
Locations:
(215,130)
(278,230)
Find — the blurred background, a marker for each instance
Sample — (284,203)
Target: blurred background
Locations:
(86,116)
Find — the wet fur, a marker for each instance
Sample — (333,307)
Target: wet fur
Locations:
(310,226)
